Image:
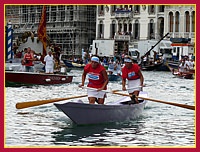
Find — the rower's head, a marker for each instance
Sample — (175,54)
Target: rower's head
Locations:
(94,62)
(128,61)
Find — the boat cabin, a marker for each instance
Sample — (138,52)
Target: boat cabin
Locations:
(181,47)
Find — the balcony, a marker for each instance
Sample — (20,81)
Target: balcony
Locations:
(123,14)
(182,34)
(122,37)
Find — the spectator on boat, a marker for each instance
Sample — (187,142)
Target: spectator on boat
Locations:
(187,62)
(75,60)
(24,52)
(122,57)
(39,57)
(22,67)
(131,71)
(98,79)
(105,62)
(28,61)
(145,60)
(111,66)
(182,67)
(117,68)
(191,64)
(49,63)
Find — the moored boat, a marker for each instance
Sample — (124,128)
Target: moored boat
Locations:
(84,113)
(13,78)
(151,67)
(71,64)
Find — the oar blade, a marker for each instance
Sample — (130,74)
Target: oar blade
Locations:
(22,105)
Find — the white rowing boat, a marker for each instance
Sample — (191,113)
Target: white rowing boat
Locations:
(118,111)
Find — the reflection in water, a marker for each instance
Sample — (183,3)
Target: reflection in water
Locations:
(97,135)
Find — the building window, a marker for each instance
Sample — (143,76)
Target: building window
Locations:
(125,27)
(151,29)
(177,22)
(130,28)
(193,21)
(32,14)
(171,22)
(187,22)
(62,9)
(53,13)
(161,8)
(24,14)
(47,14)
(151,9)
(136,30)
(137,8)
(120,28)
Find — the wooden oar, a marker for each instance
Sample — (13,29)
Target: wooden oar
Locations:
(129,88)
(111,90)
(22,105)
(160,101)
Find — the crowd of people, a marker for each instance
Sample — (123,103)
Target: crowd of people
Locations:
(29,60)
(186,64)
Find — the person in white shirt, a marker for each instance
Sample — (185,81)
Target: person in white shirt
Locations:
(182,67)
(111,65)
(49,63)
(191,64)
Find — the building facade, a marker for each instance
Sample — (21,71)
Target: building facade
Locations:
(133,23)
(72,27)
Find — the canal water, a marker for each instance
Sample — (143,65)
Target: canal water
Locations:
(160,125)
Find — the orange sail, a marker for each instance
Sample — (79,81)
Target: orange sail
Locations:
(42,35)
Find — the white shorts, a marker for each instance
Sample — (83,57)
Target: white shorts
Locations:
(96,94)
(133,84)
(49,70)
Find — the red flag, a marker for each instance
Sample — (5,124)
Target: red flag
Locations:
(42,35)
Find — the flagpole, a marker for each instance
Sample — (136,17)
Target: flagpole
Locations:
(9,41)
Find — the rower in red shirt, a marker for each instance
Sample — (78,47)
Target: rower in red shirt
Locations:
(98,79)
(131,71)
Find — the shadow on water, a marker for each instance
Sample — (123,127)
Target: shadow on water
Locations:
(77,135)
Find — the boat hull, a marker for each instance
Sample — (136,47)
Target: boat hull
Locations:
(184,75)
(29,78)
(151,67)
(84,113)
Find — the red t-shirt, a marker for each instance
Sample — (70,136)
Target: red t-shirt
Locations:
(132,73)
(28,59)
(95,76)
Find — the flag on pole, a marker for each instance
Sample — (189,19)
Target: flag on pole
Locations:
(42,35)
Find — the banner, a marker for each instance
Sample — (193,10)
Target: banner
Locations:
(42,31)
